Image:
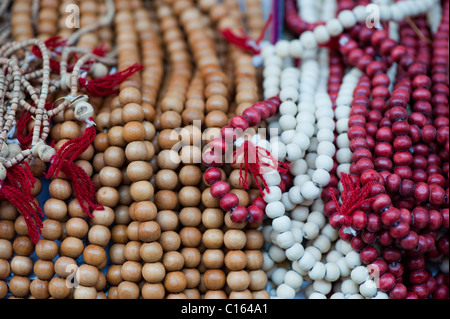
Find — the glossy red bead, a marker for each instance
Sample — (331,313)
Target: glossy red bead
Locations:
(229,201)
(239,215)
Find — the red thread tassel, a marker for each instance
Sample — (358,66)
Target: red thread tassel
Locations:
(17,190)
(353,197)
(243,41)
(21,125)
(107,85)
(255,159)
(63,161)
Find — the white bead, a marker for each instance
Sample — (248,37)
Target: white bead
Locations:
(289,94)
(317,272)
(334,27)
(301,140)
(326,148)
(322,243)
(347,18)
(318,218)
(306,106)
(275,209)
(342,112)
(306,128)
(268,262)
(307,261)
(381,295)
(343,268)
(330,232)
(285,240)
(285,292)
(277,276)
(317,295)
(342,126)
(343,247)
(274,128)
(310,230)
(324,162)
(294,195)
(289,81)
(385,12)
(293,279)
(279,150)
(273,61)
(308,40)
(321,34)
(282,48)
(288,108)
(266,232)
(293,152)
(281,224)
(272,194)
(286,202)
(276,254)
(332,272)
(299,180)
(268,51)
(322,286)
(355,296)
(333,256)
(315,252)
(321,177)
(360,274)
(337,295)
(368,289)
(271,81)
(344,155)
(296,48)
(271,92)
(324,111)
(352,259)
(360,13)
(310,191)
(295,252)
(287,136)
(273,178)
(325,123)
(300,213)
(349,287)
(298,167)
(342,141)
(325,134)
(343,168)
(318,205)
(272,70)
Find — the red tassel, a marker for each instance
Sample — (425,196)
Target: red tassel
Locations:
(255,158)
(107,85)
(100,50)
(21,125)
(353,197)
(244,42)
(16,189)
(63,161)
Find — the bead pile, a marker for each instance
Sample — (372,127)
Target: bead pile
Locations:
(235,149)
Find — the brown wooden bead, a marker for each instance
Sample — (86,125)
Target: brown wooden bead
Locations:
(5,269)
(175,282)
(20,226)
(23,246)
(216,119)
(234,239)
(141,191)
(133,131)
(170,240)
(121,215)
(214,279)
(213,258)
(166,200)
(238,280)
(132,251)
(133,230)
(94,255)
(153,291)
(46,249)
(254,259)
(153,272)
(77,227)
(99,235)
(245,294)
(7,230)
(103,217)
(58,289)
(108,196)
(139,170)
(43,269)
(190,236)
(55,209)
(151,252)
(75,209)
(144,211)
(71,247)
(21,265)
(149,231)
(19,286)
(235,260)
(190,216)
(114,156)
(60,189)
(119,234)
(166,179)
(64,266)
(113,276)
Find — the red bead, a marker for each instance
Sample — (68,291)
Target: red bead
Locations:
(421,291)
(407,188)
(371,175)
(255,215)
(402,143)
(441,292)
(239,122)
(398,292)
(356,131)
(410,241)
(355,55)
(420,217)
(220,189)
(398,52)
(364,62)
(212,175)
(252,115)
(437,195)
(416,263)
(229,201)
(378,36)
(399,231)
(259,202)
(392,255)
(357,244)
(368,237)
(405,215)
(239,215)
(272,106)
(373,223)
(386,282)
(385,238)
(219,146)
(377,268)
(262,108)
(390,216)
(368,255)
(381,203)
(411,295)
(396,269)
(436,220)
(212,159)
(228,133)
(375,67)
(421,81)
(358,143)
(356,120)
